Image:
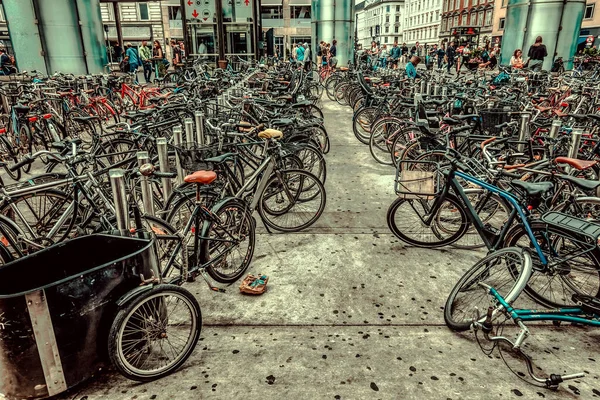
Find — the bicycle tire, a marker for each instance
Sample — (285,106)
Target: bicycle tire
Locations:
(232,212)
(510,286)
(566,274)
(453,205)
(141,307)
(361,124)
(9,155)
(304,193)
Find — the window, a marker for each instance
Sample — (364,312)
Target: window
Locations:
(443,28)
(455,22)
(397,9)
(480,18)
(465,3)
(271,12)
(589,11)
(504,3)
(397,18)
(488,18)
(143,11)
(387,29)
(300,12)
(387,9)
(501,23)
(387,18)
(396,29)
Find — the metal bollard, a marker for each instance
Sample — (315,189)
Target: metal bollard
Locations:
(188,123)
(575,142)
(143,158)
(163,163)
(178,139)
(444,91)
(436,90)
(418,98)
(429,91)
(117,183)
(199,117)
(423,87)
(556,124)
(523,131)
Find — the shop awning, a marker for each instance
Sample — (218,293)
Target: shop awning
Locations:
(271,2)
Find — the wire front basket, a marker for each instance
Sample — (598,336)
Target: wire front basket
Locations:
(490,118)
(192,156)
(417,179)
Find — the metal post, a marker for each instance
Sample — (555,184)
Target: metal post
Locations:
(423,87)
(199,117)
(143,158)
(178,139)
(556,124)
(575,142)
(436,90)
(189,130)
(444,91)
(163,164)
(429,91)
(523,131)
(117,183)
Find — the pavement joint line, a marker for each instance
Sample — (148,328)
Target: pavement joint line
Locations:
(549,327)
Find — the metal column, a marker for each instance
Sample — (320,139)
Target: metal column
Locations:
(163,162)
(143,158)
(117,183)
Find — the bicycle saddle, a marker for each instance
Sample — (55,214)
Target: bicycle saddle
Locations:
(201,177)
(532,189)
(270,134)
(575,163)
(21,109)
(587,303)
(222,158)
(282,122)
(583,184)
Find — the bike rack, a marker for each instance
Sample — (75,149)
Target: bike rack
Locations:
(188,123)
(523,131)
(199,117)
(117,183)
(178,139)
(163,163)
(556,124)
(575,142)
(144,158)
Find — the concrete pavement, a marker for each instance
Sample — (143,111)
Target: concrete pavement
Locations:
(351,313)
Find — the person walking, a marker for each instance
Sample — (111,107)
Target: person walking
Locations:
(333,54)
(537,53)
(440,56)
(307,58)
(6,63)
(383,56)
(146,61)
(132,57)
(411,67)
(395,54)
(404,53)
(176,54)
(319,54)
(300,55)
(450,54)
(466,57)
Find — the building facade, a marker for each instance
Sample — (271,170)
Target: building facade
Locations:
(467,21)
(589,35)
(499,20)
(422,22)
(380,21)
(290,21)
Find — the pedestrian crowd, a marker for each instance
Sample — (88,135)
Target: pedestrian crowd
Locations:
(326,55)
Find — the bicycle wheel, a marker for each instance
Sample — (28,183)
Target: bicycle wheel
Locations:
(8,158)
(155,333)
(361,124)
(506,270)
(405,218)
(292,200)
(227,243)
(166,241)
(573,265)
(311,159)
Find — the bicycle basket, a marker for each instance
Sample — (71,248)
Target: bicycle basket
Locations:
(417,179)
(192,156)
(492,117)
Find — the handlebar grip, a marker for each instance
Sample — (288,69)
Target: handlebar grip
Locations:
(159,174)
(25,161)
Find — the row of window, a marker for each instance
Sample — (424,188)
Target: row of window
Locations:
(143,13)
(477,19)
(420,4)
(387,18)
(422,34)
(276,12)
(378,11)
(450,5)
(423,19)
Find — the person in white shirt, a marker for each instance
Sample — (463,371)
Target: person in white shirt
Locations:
(383,56)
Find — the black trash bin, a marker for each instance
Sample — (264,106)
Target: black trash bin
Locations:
(56,307)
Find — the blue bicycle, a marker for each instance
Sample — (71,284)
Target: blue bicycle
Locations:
(501,277)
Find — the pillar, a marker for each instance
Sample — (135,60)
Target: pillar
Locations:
(92,35)
(24,35)
(556,21)
(332,19)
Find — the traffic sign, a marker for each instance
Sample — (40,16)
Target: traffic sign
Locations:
(200,11)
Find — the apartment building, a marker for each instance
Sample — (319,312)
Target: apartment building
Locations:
(589,35)
(422,21)
(290,21)
(467,21)
(381,21)
(139,21)
(499,21)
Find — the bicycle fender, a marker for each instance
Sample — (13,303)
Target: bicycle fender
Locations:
(127,297)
